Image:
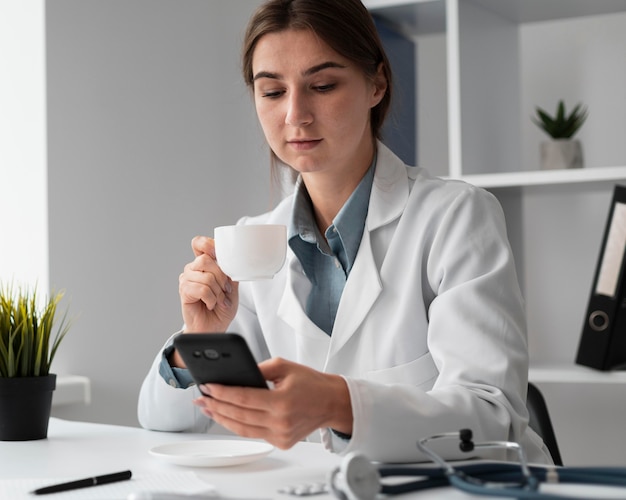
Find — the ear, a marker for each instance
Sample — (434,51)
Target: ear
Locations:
(380,86)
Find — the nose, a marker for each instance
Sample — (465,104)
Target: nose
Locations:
(299,111)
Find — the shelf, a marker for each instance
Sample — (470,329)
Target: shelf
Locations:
(385,4)
(526,11)
(71,389)
(568,374)
(530,11)
(546,177)
(415,17)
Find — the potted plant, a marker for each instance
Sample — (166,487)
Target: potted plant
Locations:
(561,151)
(28,343)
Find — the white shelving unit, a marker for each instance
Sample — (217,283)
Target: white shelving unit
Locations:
(503,58)
(71,389)
(547,177)
(484,65)
(574,374)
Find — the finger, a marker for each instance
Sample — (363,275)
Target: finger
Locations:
(191,293)
(251,398)
(274,369)
(207,264)
(211,274)
(236,418)
(253,413)
(203,244)
(204,262)
(241,429)
(197,286)
(248,423)
(256,430)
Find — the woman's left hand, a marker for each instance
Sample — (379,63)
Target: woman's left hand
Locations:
(302,401)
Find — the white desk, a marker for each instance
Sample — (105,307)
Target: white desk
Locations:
(75,449)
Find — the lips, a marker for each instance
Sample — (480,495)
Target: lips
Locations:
(303,144)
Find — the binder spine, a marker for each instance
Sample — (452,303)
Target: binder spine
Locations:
(603,340)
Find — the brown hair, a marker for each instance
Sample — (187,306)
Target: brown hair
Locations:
(345,25)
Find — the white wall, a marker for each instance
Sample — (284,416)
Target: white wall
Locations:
(23,200)
(432,103)
(152,140)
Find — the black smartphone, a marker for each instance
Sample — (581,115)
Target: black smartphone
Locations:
(221,358)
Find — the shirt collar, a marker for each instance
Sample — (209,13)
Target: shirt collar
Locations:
(349,222)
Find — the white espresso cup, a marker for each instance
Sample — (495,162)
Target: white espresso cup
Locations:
(250,252)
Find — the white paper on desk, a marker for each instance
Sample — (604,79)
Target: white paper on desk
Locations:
(179,482)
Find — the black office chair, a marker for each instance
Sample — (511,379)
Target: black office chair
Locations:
(540,421)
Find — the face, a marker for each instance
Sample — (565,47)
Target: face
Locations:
(313,104)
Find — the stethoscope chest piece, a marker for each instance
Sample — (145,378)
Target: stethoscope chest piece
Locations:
(355,479)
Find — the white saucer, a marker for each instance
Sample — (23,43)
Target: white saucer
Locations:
(212,453)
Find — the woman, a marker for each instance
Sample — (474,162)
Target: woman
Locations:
(398,314)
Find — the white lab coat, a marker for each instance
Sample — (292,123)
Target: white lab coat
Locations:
(430,331)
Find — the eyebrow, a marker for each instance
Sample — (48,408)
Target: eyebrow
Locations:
(311,71)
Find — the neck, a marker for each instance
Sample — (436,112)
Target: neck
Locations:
(330,189)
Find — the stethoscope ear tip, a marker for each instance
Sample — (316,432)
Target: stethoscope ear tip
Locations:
(467,440)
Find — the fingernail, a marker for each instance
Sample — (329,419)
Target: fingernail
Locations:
(229,287)
(227,303)
(205,389)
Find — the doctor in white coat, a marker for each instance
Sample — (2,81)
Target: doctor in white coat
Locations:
(397,314)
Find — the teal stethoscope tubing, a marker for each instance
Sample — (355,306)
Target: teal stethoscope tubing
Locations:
(469,478)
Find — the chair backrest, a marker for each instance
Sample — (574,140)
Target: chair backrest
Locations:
(540,421)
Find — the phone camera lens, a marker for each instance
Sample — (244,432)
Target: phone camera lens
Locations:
(211,354)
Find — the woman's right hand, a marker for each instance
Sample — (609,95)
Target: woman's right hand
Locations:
(209,299)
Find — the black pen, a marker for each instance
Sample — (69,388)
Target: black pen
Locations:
(84,483)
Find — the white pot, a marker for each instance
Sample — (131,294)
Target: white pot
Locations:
(561,153)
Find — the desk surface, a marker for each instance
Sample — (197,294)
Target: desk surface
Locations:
(77,449)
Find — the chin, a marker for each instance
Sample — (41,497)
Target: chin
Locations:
(304,165)
(306,169)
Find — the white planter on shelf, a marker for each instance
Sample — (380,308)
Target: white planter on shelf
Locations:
(561,153)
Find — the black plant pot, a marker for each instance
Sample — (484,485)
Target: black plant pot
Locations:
(25,404)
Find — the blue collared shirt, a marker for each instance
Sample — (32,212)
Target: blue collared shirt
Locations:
(327,260)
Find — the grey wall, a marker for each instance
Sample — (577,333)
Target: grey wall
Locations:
(152,140)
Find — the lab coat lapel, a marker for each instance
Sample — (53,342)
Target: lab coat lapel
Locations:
(390,192)
(309,343)
(297,287)
(361,291)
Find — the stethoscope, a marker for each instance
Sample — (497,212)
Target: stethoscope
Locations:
(357,478)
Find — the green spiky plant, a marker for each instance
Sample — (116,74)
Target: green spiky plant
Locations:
(561,126)
(28,341)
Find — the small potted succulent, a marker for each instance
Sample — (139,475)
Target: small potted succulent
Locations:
(561,151)
(28,343)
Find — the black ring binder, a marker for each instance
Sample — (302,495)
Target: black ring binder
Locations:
(603,341)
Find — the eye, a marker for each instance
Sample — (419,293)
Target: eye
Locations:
(324,88)
(268,89)
(272,94)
